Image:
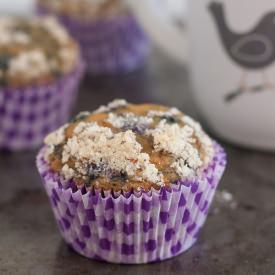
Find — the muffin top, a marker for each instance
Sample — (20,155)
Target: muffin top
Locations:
(85,8)
(34,51)
(124,146)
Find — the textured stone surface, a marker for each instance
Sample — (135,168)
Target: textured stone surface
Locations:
(238,241)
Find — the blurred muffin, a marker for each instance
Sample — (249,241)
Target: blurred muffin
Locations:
(85,8)
(40,68)
(110,37)
(130,183)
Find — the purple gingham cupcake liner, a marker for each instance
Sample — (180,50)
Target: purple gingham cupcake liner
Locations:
(28,114)
(136,227)
(109,46)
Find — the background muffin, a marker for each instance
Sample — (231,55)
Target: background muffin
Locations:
(110,37)
(34,52)
(40,67)
(147,173)
(85,8)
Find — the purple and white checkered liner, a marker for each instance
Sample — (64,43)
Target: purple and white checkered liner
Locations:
(133,228)
(113,45)
(28,114)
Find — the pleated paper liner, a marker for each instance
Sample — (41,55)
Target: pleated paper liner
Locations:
(137,227)
(28,114)
(109,46)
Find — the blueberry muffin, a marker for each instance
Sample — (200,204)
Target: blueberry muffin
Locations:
(146,172)
(40,68)
(130,147)
(34,52)
(111,39)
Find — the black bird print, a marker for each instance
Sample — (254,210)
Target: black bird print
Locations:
(253,50)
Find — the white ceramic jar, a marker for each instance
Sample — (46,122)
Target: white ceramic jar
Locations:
(230,49)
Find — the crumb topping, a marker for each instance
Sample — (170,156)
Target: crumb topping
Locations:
(112,106)
(179,142)
(56,30)
(123,146)
(129,121)
(86,8)
(107,152)
(34,51)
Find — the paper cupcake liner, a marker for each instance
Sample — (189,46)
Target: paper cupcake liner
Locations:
(132,228)
(109,46)
(28,114)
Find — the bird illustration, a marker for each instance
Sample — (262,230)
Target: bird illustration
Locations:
(253,50)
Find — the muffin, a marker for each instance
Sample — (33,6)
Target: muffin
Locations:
(40,68)
(110,37)
(130,183)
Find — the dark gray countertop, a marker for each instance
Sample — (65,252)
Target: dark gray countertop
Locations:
(237,240)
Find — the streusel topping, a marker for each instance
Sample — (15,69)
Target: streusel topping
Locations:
(124,146)
(34,51)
